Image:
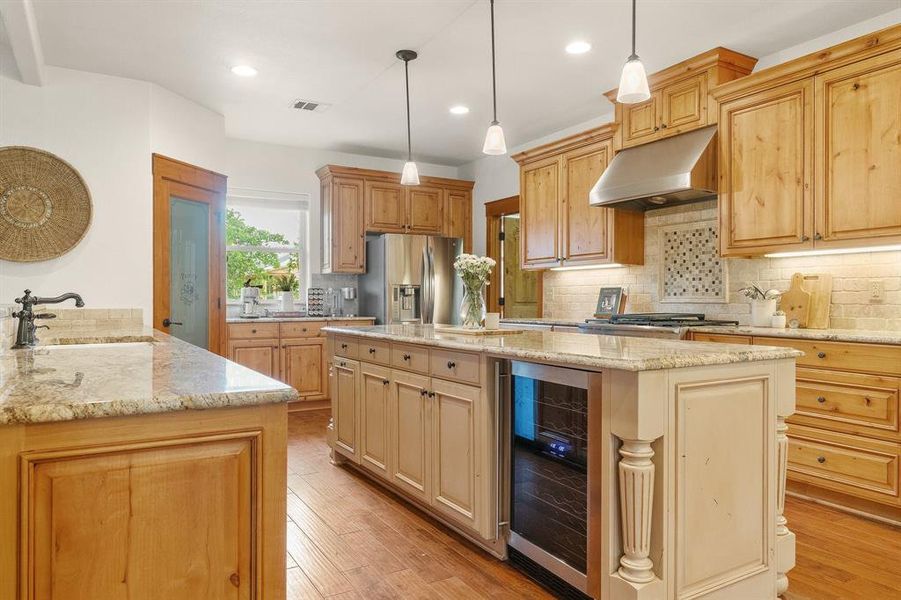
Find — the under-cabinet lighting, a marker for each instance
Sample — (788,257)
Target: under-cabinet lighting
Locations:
(587,267)
(894,248)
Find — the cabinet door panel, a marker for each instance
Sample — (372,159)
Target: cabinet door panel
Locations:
(765,171)
(304,367)
(425,210)
(455,457)
(684,104)
(374,395)
(858,154)
(640,121)
(95,523)
(538,210)
(348,250)
(458,219)
(586,227)
(410,434)
(345,416)
(259,355)
(385,207)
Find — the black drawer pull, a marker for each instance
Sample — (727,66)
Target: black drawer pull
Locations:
(451,364)
(821,355)
(821,399)
(372,350)
(821,459)
(406,357)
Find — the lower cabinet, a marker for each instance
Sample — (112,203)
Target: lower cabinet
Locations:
(345,378)
(259,355)
(304,367)
(410,416)
(375,386)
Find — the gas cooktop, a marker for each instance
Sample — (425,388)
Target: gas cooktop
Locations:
(660,320)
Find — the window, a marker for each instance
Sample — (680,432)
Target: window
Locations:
(265,241)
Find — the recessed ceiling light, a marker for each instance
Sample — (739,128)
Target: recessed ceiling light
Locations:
(244,71)
(459,109)
(578,47)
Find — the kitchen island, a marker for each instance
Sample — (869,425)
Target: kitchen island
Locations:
(686,447)
(139,466)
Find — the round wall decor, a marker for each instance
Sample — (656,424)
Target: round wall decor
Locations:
(45,206)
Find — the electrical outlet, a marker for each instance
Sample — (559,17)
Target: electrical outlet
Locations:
(877,290)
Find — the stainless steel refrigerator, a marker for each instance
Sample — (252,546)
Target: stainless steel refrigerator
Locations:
(411,279)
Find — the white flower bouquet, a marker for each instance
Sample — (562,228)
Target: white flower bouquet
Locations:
(474,271)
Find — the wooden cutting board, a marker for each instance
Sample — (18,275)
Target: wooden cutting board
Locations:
(796,302)
(820,288)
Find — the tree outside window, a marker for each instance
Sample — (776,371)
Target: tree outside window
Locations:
(258,256)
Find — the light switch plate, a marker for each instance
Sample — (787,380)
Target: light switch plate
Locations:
(877,290)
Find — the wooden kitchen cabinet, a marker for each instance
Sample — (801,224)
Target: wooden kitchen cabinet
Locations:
(342,224)
(458,217)
(345,376)
(385,204)
(260,355)
(375,382)
(425,210)
(858,152)
(766,168)
(410,416)
(809,151)
(558,226)
(304,367)
(680,99)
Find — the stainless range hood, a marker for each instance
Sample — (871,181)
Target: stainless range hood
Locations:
(677,170)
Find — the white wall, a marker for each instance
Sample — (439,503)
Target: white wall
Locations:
(107,128)
(270,167)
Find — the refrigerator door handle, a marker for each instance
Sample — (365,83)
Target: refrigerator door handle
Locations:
(431,284)
(426,288)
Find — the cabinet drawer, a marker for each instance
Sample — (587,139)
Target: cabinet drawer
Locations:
(346,347)
(848,464)
(410,358)
(455,366)
(375,351)
(301,329)
(869,358)
(248,331)
(850,402)
(721,338)
(354,323)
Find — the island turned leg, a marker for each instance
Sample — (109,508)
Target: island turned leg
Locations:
(784,537)
(636,494)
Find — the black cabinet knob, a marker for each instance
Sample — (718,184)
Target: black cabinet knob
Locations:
(385,382)
(821,459)
(821,355)
(821,399)
(451,364)
(372,350)
(406,357)
(344,346)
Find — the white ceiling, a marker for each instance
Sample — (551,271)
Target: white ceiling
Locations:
(342,52)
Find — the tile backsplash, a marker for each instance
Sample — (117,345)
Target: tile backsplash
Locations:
(573,294)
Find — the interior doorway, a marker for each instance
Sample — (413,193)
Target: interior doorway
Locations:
(189,253)
(514,292)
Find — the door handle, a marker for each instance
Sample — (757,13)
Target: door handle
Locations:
(167,322)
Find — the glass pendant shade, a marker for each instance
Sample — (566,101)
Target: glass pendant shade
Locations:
(633,84)
(410,174)
(494,140)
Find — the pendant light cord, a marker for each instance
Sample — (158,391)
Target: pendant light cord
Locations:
(493,70)
(407,82)
(633,32)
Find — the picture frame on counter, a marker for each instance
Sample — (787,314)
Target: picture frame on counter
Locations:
(611,301)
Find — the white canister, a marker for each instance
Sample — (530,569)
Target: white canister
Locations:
(492,320)
(762,312)
(777,321)
(287,301)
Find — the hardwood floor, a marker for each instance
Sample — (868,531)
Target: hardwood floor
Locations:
(349,539)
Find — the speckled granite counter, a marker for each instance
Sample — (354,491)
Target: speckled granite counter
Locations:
(154,373)
(293,319)
(579,349)
(549,322)
(833,335)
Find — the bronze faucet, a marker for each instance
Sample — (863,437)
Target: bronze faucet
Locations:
(25,334)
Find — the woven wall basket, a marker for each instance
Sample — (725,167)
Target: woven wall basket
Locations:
(45,206)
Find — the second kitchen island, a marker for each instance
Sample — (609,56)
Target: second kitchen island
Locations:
(681,447)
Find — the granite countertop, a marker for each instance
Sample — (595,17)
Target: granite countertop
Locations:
(832,335)
(146,372)
(579,349)
(543,321)
(292,319)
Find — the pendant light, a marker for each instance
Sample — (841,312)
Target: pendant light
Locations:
(410,174)
(494,139)
(633,84)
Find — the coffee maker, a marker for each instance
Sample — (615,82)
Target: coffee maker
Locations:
(250,302)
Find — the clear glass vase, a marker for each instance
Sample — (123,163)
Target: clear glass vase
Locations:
(472,309)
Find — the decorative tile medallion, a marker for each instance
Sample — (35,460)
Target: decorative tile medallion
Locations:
(692,269)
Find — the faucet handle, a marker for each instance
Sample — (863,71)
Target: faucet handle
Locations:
(45,316)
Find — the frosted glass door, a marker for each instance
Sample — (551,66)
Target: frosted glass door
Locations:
(189,270)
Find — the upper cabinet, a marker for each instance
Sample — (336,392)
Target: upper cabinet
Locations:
(359,201)
(810,151)
(558,226)
(679,100)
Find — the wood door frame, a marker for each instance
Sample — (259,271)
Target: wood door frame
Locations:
(494,211)
(202,185)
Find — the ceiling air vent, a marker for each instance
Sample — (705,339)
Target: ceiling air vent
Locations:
(310,105)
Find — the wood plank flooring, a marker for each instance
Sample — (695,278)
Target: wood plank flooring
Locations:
(348,539)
